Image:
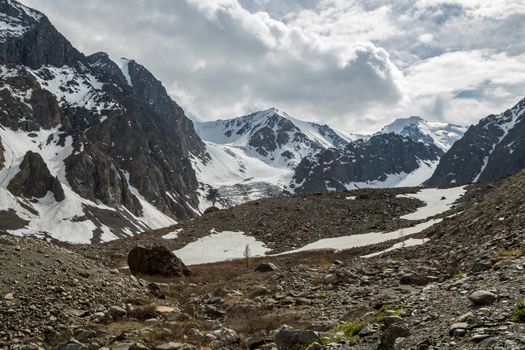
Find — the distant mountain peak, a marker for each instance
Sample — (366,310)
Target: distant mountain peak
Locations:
(442,135)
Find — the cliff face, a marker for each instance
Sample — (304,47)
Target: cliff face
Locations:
(110,133)
(490,150)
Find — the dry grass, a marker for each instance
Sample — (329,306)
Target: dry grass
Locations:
(262,320)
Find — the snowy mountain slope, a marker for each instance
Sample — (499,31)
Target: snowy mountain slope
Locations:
(384,160)
(294,150)
(419,130)
(255,156)
(490,150)
(272,136)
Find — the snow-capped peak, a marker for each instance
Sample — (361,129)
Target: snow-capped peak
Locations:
(18,22)
(442,135)
(272,135)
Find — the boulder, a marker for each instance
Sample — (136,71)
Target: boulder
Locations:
(391,333)
(266,267)
(288,339)
(156,261)
(481,265)
(482,297)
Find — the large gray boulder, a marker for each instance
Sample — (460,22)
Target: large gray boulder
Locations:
(288,339)
(156,261)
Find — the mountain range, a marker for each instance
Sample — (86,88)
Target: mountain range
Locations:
(93,149)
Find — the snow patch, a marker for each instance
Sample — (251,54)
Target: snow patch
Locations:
(220,246)
(437,201)
(411,242)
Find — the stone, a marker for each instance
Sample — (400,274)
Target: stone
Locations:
(482,297)
(117,312)
(481,265)
(266,267)
(479,338)
(71,345)
(169,346)
(9,296)
(458,329)
(287,339)
(156,261)
(391,333)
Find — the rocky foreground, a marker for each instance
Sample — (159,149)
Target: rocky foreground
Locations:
(464,289)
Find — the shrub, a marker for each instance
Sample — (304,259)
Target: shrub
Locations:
(518,315)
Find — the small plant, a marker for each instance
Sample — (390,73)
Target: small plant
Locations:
(350,329)
(247,255)
(518,315)
(513,253)
(396,310)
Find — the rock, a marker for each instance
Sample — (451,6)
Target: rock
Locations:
(169,346)
(288,339)
(227,336)
(9,296)
(391,333)
(266,267)
(481,265)
(155,261)
(390,320)
(71,345)
(479,338)
(84,334)
(117,312)
(482,297)
(458,329)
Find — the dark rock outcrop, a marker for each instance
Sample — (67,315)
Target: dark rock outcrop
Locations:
(362,161)
(35,180)
(2,155)
(94,176)
(156,261)
(490,150)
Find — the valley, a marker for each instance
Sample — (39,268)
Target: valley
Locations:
(129,223)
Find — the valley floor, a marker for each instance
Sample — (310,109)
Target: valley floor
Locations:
(416,297)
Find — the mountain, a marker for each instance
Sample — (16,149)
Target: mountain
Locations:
(254,156)
(430,133)
(268,153)
(91,149)
(384,160)
(490,150)
(272,136)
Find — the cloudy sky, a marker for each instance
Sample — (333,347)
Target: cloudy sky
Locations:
(355,64)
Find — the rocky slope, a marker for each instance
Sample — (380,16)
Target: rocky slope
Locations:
(112,148)
(490,150)
(472,264)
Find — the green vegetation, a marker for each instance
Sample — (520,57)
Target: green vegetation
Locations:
(512,253)
(518,315)
(394,310)
(347,331)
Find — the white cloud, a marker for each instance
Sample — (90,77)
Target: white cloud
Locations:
(356,64)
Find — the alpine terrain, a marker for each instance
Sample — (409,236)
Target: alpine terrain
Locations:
(126,225)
